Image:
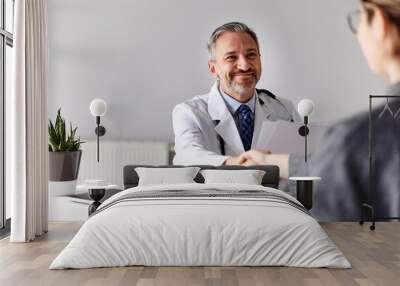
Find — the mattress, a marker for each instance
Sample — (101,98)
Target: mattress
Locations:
(201,225)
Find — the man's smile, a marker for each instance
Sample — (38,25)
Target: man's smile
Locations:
(244,75)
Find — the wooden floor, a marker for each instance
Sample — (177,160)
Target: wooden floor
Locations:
(374,255)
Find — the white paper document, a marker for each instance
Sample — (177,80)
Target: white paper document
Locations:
(283,137)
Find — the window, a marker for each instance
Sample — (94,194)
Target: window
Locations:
(6,61)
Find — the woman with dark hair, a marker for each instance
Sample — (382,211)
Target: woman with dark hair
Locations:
(342,159)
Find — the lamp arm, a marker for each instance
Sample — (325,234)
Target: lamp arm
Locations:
(305,138)
(98,137)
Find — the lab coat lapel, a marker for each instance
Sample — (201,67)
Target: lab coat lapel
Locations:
(262,113)
(226,127)
(228,131)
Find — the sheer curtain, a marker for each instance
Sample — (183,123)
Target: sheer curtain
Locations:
(28,157)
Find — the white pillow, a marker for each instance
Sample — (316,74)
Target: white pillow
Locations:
(248,177)
(163,176)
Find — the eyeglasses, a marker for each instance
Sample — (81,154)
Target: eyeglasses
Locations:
(353,19)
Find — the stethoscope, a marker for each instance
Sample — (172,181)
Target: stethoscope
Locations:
(273,96)
(268,93)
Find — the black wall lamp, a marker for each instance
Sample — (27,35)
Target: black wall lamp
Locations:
(305,108)
(98,108)
(304,190)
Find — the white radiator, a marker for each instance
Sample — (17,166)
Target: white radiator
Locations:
(114,155)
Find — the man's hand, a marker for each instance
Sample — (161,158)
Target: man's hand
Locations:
(250,163)
(257,157)
(238,160)
(261,157)
(252,157)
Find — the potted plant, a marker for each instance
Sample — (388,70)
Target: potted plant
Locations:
(64,151)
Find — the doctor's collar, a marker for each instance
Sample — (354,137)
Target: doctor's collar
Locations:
(233,104)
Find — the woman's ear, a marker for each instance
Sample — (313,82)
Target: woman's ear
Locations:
(379,24)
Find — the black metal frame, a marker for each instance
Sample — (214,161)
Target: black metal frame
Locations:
(5,231)
(368,205)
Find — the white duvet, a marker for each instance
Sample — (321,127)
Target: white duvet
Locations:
(200,231)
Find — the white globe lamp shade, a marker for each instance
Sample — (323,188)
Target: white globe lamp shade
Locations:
(98,107)
(305,107)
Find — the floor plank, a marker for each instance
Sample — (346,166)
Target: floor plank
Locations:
(374,255)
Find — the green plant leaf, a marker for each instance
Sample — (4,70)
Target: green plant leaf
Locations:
(59,140)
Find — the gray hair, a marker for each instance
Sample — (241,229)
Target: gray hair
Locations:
(235,27)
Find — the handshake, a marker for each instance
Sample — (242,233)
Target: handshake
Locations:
(251,157)
(262,157)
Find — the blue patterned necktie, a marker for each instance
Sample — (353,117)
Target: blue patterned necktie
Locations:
(246,126)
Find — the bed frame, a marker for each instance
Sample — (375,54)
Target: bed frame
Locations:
(270,179)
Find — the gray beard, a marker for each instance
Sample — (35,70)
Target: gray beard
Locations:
(240,89)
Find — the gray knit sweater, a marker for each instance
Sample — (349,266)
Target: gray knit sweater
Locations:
(342,163)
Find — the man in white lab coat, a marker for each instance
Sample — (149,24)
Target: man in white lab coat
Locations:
(217,127)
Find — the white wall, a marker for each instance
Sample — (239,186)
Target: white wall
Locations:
(145,56)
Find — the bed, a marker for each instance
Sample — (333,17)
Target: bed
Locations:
(201,224)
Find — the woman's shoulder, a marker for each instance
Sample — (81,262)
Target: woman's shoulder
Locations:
(350,126)
(360,121)
(353,132)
